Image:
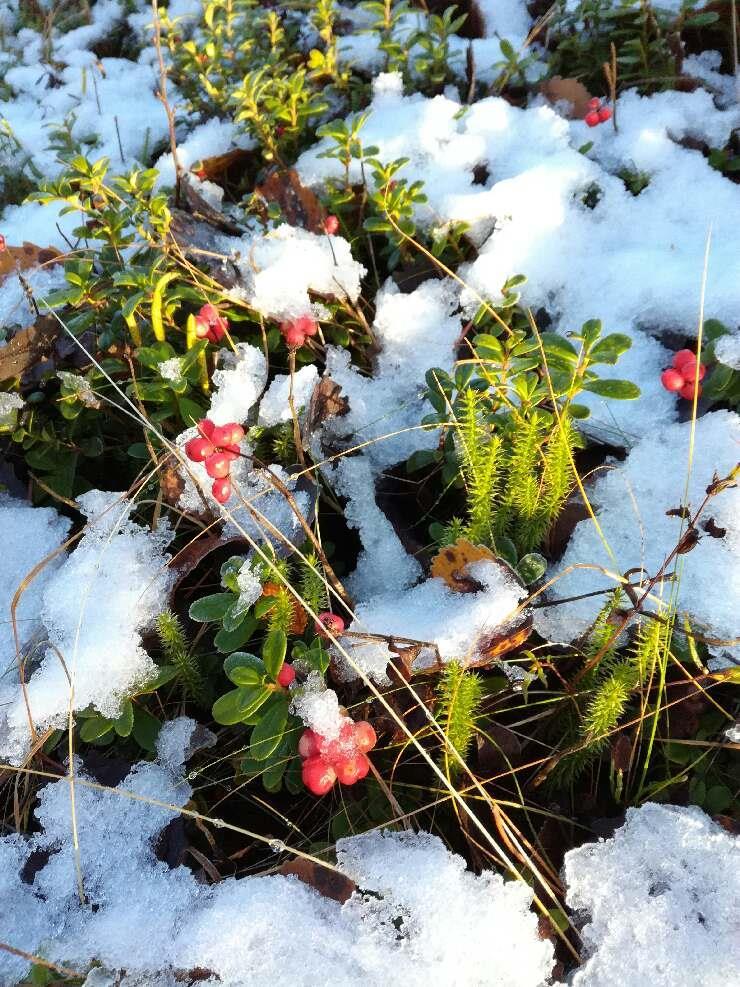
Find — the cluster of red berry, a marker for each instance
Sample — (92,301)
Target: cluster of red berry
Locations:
(597,113)
(217,446)
(681,376)
(210,325)
(344,760)
(296,331)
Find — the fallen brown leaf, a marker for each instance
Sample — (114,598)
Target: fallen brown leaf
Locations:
(28,347)
(452,562)
(14,259)
(299,205)
(328,882)
(567,90)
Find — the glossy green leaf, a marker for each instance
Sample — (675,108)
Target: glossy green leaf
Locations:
(268,733)
(210,608)
(619,390)
(273,651)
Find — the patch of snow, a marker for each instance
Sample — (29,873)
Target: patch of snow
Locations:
(281,266)
(151,921)
(93,611)
(631,502)
(662,898)
(275,407)
(727,350)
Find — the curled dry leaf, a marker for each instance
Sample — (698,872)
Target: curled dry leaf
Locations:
(29,347)
(452,562)
(298,204)
(328,882)
(567,91)
(14,259)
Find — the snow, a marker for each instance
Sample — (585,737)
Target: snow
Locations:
(275,404)
(529,217)
(318,707)
(456,927)
(15,309)
(93,609)
(727,350)
(282,266)
(661,898)
(30,534)
(414,332)
(432,613)
(207,140)
(631,500)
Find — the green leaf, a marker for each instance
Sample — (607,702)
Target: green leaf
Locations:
(702,19)
(165,674)
(590,331)
(420,459)
(146,729)
(273,651)
(244,669)
(531,568)
(293,781)
(210,608)
(268,733)
(558,346)
(488,347)
(610,348)
(95,727)
(228,641)
(717,799)
(272,777)
(237,704)
(124,723)
(720,381)
(619,390)
(506,549)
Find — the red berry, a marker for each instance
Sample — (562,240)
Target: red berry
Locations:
(331,225)
(310,743)
(209,324)
(286,675)
(592,119)
(218,465)
(351,769)
(688,370)
(205,426)
(687,391)
(594,103)
(293,337)
(682,356)
(199,449)
(604,114)
(672,380)
(364,736)
(329,621)
(317,775)
(343,746)
(3,244)
(307,325)
(221,489)
(224,436)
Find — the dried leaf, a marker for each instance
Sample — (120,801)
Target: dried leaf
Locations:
(326,402)
(200,207)
(217,168)
(328,882)
(202,243)
(500,644)
(172,484)
(450,564)
(299,205)
(29,347)
(567,90)
(14,259)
